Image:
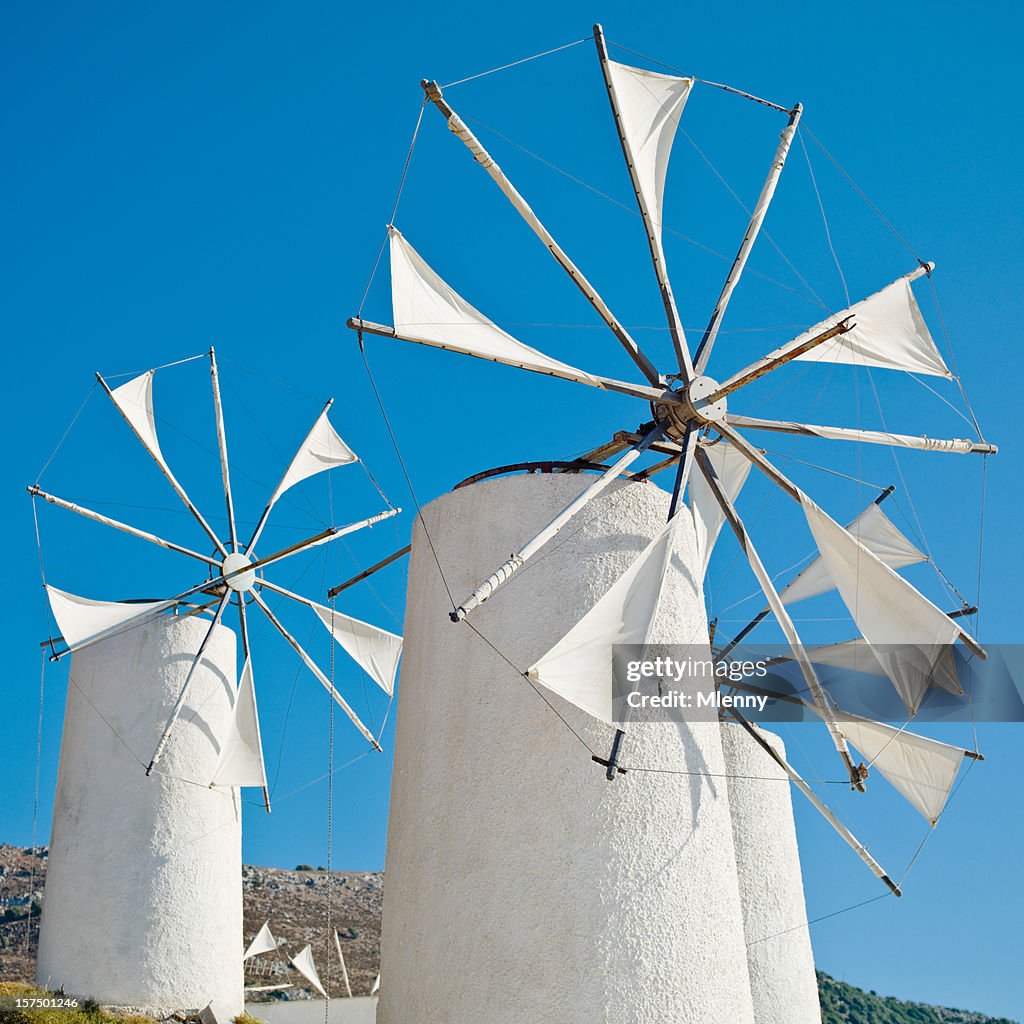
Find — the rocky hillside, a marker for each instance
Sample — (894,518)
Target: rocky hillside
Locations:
(296,904)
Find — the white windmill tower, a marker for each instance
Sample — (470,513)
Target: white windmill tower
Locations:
(143,897)
(555,914)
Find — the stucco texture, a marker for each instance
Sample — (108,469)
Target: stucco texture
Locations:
(782,979)
(521,885)
(143,901)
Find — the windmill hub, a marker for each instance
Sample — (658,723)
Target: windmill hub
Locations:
(244,581)
(698,404)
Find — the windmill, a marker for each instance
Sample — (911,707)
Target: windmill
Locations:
(235,576)
(697,419)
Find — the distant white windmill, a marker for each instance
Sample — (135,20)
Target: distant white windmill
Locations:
(693,422)
(236,574)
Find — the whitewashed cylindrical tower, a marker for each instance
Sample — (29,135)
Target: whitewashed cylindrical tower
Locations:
(779,956)
(521,885)
(143,901)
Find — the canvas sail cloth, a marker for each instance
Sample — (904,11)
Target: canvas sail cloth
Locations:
(263,942)
(650,106)
(857,656)
(322,449)
(135,402)
(376,650)
(579,666)
(903,629)
(923,770)
(81,620)
(731,469)
(889,332)
(429,311)
(876,532)
(241,753)
(303,963)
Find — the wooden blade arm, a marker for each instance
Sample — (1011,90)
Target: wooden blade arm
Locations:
(652,230)
(507,569)
(649,394)
(753,229)
(222,446)
(37,492)
(486,161)
(774,474)
(930,444)
(847,836)
(183,692)
(169,476)
(782,615)
(315,669)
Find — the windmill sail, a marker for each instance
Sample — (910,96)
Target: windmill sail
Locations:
(876,532)
(649,107)
(81,620)
(731,469)
(241,754)
(923,770)
(888,332)
(376,650)
(322,449)
(905,631)
(263,942)
(303,963)
(429,311)
(857,656)
(579,666)
(135,402)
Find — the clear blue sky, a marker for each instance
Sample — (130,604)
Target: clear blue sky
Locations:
(195,174)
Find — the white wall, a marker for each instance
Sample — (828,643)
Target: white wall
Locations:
(779,954)
(358,1010)
(521,886)
(143,902)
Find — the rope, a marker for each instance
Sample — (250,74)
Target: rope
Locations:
(153,369)
(516,63)
(519,672)
(743,206)
(405,471)
(67,430)
(824,219)
(635,213)
(704,81)
(394,209)
(823,917)
(881,216)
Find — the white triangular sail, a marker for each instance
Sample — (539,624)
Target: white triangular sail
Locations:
(80,619)
(579,666)
(241,754)
(888,332)
(303,963)
(650,106)
(922,769)
(857,656)
(428,310)
(731,469)
(375,649)
(135,401)
(375,988)
(322,449)
(876,532)
(263,942)
(905,631)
